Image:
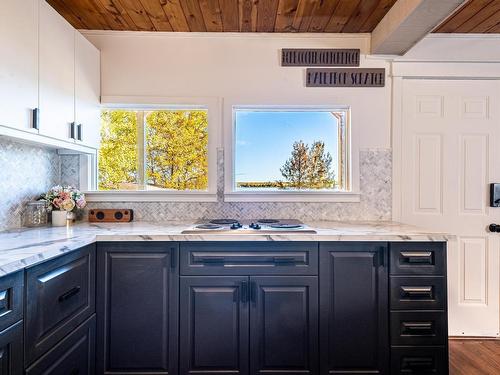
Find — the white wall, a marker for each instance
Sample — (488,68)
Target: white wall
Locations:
(240,69)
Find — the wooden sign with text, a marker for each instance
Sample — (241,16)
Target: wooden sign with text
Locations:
(355,77)
(319,57)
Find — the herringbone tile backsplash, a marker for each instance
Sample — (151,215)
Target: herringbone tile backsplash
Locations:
(29,171)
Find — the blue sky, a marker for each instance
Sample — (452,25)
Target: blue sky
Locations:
(264,140)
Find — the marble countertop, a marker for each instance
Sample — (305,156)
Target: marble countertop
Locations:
(25,247)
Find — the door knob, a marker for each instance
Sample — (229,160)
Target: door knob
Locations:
(494,228)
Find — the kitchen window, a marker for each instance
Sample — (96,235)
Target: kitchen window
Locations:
(282,153)
(153,149)
(157,152)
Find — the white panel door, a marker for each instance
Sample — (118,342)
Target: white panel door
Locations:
(87,90)
(18,62)
(450,154)
(57,74)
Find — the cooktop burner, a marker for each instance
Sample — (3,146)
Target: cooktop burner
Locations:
(286,226)
(264,226)
(223,221)
(208,226)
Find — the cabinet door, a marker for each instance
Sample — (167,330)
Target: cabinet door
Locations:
(74,355)
(56,73)
(87,91)
(137,308)
(19,62)
(353,308)
(11,350)
(284,325)
(214,325)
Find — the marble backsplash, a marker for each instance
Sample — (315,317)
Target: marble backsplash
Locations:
(31,170)
(375,201)
(27,172)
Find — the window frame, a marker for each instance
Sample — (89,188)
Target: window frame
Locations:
(232,194)
(211,105)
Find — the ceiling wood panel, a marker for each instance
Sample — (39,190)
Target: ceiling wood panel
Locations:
(156,15)
(211,13)
(230,15)
(476,16)
(193,15)
(225,15)
(175,14)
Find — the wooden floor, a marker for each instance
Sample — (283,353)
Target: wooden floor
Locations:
(475,357)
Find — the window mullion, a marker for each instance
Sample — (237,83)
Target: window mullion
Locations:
(141,150)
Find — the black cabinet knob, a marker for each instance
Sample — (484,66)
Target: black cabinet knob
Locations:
(495,228)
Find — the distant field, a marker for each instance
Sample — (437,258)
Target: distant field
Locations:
(264,185)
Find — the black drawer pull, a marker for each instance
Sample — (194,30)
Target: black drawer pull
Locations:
(74,372)
(417,363)
(283,260)
(70,293)
(244,291)
(418,291)
(212,260)
(417,257)
(417,328)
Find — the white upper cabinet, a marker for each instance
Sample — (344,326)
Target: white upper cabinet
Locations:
(87,91)
(18,62)
(56,74)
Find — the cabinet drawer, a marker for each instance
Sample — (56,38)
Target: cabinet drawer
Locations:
(11,299)
(259,258)
(418,258)
(431,360)
(417,293)
(60,295)
(74,355)
(418,328)
(11,350)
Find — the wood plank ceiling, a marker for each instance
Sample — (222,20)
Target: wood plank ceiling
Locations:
(476,16)
(347,16)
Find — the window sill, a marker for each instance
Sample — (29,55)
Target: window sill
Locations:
(306,196)
(149,196)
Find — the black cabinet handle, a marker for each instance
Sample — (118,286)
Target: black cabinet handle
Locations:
(70,293)
(35,118)
(418,291)
(417,328)
(79,130)
(72,130)
(213,260)
(417,363)
(173,257)
(417,257)
(244,291)
(283,260)
(253,292)
(75,372)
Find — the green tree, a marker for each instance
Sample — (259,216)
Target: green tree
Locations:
(319,173)
(308,167)
(295,169)
(118,152)
(176,149)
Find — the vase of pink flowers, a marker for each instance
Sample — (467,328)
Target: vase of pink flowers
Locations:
(63,201)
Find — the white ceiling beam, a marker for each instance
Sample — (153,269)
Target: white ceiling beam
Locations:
(407,22)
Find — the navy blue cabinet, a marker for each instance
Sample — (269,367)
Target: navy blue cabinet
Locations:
(354,309)
(214,325)
(11,350)
(137,308)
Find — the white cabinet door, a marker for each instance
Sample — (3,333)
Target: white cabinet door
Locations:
(87,90)
(18,62)
(57,74)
